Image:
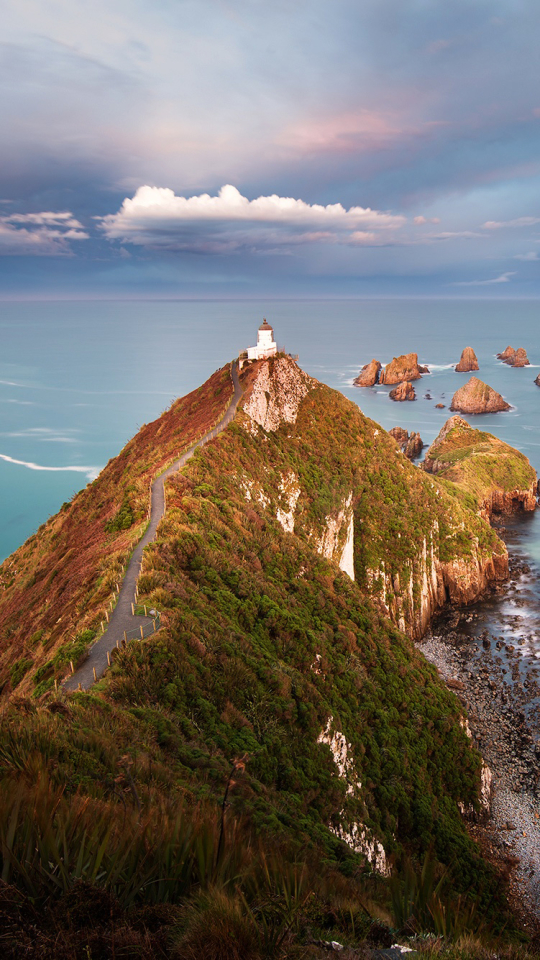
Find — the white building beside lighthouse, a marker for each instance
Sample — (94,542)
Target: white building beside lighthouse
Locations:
(266,345)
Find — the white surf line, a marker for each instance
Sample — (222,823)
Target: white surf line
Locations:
(91,472)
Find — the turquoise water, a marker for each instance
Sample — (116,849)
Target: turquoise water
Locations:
(78,379)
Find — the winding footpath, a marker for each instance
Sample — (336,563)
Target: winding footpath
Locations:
(122,621)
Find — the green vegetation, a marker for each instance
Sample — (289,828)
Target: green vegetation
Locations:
(189,805)
(480,463)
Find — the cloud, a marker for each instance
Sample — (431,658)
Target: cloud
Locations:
(503,278)
(518,222)
(43,234)
(421,220)
(156,217)
(532,255)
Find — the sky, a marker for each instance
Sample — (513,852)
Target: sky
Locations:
(241,148)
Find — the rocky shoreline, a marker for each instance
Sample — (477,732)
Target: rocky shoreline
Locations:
(499,684)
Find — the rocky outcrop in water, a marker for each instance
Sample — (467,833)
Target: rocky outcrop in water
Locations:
(405,367)
(410,443)
(537,380)
(477,397)
(405,391)
(514,358)
(499,477)
(468,361)
(368,375)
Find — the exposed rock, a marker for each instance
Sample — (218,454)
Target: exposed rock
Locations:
(477,397)
(468,361)
(405,391)
(439,406)
(369,374)
(499,477)
(337,539)
(537,380)
(276,393)
(405,367)
(509,352)
(411,444)
(514,358)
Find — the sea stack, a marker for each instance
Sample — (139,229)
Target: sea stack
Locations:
(410,443)
(368,375)
(405,391)
(514,358)
(477,397)
(537,380)
(468,361)
(405,367)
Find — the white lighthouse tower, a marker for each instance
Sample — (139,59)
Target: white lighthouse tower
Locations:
(266,345)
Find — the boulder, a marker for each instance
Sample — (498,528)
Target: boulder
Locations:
(477,397)
(411,444)
(405,391)
(468,361)
(369,374)
(537,381)
(514,358)
(439,406)
(405,367)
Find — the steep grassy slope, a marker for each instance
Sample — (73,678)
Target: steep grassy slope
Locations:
(273,664)
(55,588)
(500,478)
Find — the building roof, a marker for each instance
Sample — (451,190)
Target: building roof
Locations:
(265,326)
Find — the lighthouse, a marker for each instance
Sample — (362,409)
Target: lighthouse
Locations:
(266,345)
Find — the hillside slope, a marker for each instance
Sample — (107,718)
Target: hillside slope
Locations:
(290,544)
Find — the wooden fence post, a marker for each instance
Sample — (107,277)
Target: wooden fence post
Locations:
(108,658)
(72,667)
(142,634)
(132,609)
(94,672)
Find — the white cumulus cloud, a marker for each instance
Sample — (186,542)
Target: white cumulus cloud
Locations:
(45,234)
(157,217)
(532,255)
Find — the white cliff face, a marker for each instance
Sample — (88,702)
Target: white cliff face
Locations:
(330,543)
(341,752)
(359,839)
(290,492)
(355,835)
(276,394)
(253,492)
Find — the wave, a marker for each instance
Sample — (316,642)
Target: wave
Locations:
(90,472)
(439,366)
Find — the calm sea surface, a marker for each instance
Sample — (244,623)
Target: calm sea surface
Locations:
(78,379)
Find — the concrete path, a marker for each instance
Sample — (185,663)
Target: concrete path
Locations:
(122,619)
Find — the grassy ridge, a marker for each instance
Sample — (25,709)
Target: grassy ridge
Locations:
(58,584)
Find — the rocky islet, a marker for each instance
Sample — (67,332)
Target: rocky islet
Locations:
(404,391)
(467,362)
(478,397)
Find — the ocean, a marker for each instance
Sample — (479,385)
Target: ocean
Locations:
(77,379)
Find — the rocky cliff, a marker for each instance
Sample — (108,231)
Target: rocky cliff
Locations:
(499,477)
(369,374)
(405,367)
(468,361)
(477,397)
(410,444)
